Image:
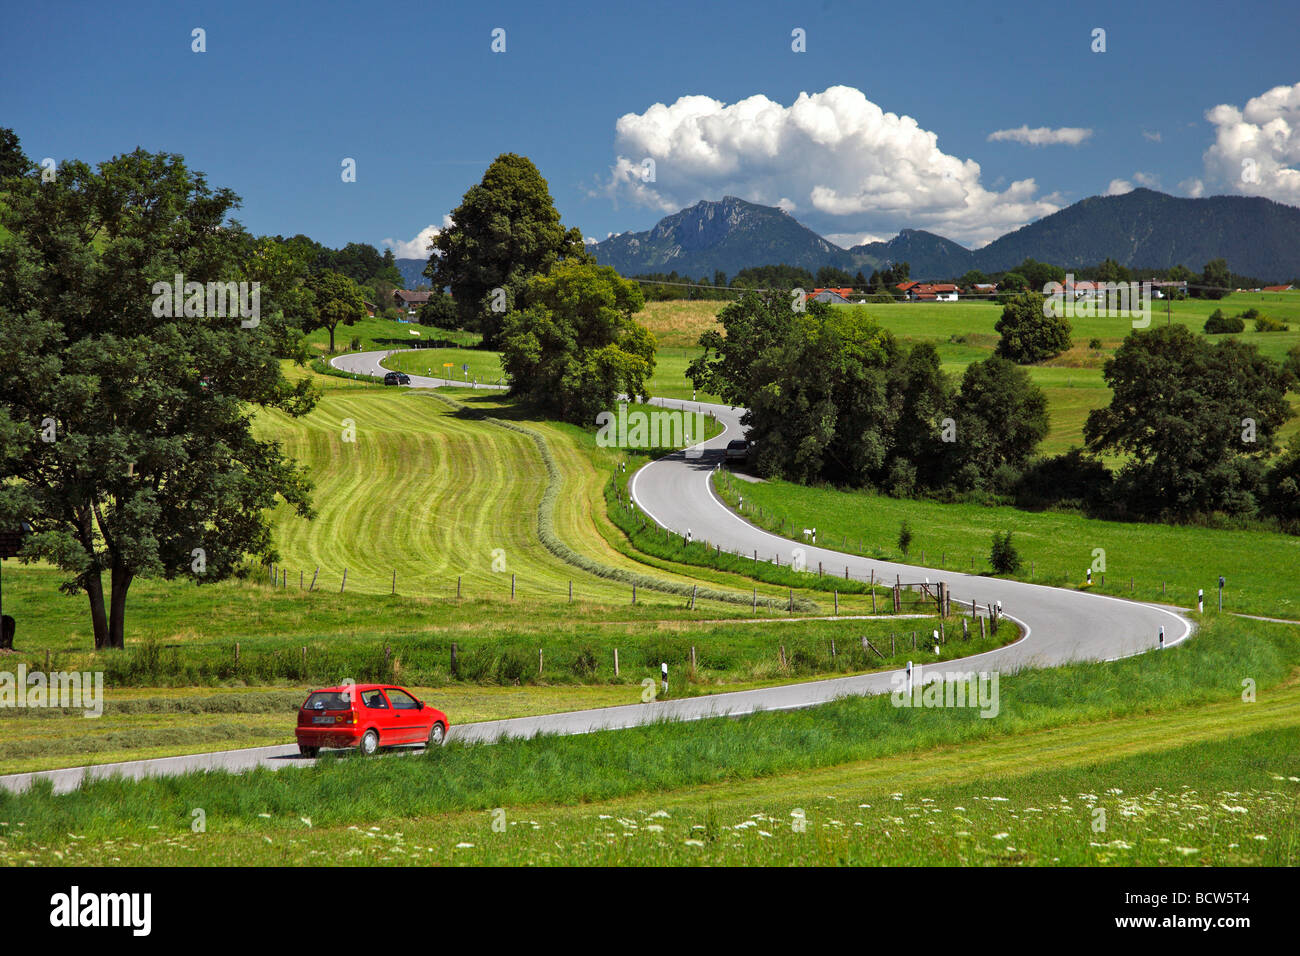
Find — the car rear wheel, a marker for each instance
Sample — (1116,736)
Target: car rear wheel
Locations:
(437,734)
(308,751)
(369,742)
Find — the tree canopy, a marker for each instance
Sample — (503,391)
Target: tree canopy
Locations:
(125,423)
(576,346)
(1197,418)
(505,231)
(1029,331)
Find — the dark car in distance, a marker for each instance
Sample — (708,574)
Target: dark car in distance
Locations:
(397,378)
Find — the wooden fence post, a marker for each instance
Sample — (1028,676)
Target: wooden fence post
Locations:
(455,667)
(345,581)
(394,582)
(570,592)
(512,587)
(616,662)
(313,578)
(837,603)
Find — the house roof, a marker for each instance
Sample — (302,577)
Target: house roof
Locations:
(411,298)
(932,288)
(904,286)
(842,293)
(1276,288)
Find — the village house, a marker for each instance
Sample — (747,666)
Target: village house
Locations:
(833,296)
(409,302)
(932,292)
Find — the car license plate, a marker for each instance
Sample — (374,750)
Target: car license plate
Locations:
(322,720)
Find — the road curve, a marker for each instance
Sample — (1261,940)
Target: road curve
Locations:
(1060,625)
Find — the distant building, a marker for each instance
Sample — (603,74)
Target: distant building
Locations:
(371,308)
(1277,288)
(833,296)
(409,302)
(984,288)
(932,292)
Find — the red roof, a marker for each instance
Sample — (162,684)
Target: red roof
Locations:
(842,293)
(904,286)
(1276,288)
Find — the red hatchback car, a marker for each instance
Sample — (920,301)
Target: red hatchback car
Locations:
(367,716)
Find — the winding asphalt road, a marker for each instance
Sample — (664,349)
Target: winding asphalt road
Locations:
(1060,625)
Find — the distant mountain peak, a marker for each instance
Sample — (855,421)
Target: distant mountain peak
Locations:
(1143,228)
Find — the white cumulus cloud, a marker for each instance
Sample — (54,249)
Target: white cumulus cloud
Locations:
(1119,187)
(1041,136)
(1256,149)
(417,248)
(845,164)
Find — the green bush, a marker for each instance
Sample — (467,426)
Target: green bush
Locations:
(513,667)
(584,664)
(1265,323)
(904,538)
(1219,324)
(1004,557)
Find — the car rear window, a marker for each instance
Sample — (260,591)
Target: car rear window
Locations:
(328,700)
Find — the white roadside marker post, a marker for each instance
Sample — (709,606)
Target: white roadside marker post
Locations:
(1089,573)
(1200,600)
(663,676)
(909,680)
(1162,637)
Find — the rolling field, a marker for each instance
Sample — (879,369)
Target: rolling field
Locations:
(1258,565)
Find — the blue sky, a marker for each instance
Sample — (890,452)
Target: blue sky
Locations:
(413,93)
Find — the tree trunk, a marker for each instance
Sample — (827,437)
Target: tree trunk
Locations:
(98,619)
(121,581)
(332,339)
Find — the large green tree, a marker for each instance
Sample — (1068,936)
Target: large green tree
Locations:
(1001,416)
(1029,331)
(819,409)
(336,300)
(125,424)
(747,327)
(577,346)
(1197,419)
(505,231)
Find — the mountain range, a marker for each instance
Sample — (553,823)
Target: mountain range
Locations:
(1140,229)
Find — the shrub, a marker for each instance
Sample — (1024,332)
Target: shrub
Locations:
(904,538)
(1003,556)
(584,665)
(513,666)
(1219,324)
(1266,324)
(1095,344)
(355,344)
